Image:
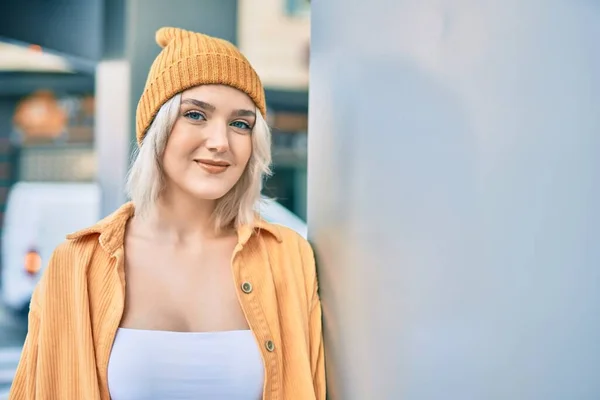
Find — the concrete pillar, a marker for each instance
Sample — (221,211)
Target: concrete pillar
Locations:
(113,112)
(112,138)
(454,183)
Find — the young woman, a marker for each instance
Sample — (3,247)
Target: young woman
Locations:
(185,292)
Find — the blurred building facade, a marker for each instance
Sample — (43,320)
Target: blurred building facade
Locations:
(275,36)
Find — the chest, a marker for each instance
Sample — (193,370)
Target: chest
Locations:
(274,304)
(184,275)
(181,289)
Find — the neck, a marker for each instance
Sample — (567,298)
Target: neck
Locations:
(179,218)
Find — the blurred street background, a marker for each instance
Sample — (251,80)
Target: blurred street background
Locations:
(12,335)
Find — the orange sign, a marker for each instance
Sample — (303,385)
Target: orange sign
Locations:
(40,116)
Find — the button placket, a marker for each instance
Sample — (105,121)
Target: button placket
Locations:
(256,318)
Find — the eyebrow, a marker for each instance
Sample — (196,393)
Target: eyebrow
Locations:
(210,107)
(244,113)
(199,103)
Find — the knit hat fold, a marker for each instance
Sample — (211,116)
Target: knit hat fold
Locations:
(189,59)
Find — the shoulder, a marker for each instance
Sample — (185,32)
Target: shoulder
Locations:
(296,250)
(63,257)
(287,238)
(291,237)
(62,271)
(67,267)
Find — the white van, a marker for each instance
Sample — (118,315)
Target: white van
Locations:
(39,216)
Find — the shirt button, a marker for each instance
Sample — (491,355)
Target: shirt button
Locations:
(270,346)
(246,287)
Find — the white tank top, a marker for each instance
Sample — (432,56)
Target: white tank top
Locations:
(148,365)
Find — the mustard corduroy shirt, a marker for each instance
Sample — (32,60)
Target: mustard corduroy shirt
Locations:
(76,310)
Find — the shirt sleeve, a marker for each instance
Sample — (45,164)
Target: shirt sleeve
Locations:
(24,382)
(317,354)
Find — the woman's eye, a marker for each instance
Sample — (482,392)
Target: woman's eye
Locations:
(241,125)
(194,115)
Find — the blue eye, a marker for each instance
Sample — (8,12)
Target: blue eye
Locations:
(241,125)
(194,115)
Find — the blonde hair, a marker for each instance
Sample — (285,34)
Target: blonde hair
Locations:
(146,181)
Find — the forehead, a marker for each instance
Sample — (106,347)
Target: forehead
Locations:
(220,96)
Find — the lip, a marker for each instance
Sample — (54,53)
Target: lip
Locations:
(218,163)
(213,167)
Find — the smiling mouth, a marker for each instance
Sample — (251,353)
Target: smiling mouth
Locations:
(213,167)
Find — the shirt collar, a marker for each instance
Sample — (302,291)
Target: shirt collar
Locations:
(111,230)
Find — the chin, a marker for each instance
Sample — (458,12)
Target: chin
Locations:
(208,193)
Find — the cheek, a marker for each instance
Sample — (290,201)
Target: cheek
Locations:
(175,157)
(243,151)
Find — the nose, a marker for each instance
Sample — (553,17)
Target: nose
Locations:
(217,140)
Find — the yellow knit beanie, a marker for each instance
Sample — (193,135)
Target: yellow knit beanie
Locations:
(189,59)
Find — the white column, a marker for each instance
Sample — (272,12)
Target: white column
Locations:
(112,135)
(454,197)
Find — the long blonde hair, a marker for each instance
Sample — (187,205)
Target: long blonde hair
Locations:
(145,180)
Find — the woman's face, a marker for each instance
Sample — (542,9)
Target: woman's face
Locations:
(211,141)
